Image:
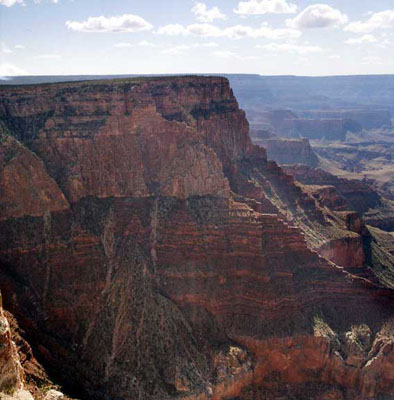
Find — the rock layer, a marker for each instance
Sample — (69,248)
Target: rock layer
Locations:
(166,240)
(11,373)
(286,151)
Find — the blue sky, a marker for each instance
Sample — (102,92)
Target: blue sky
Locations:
(52,37)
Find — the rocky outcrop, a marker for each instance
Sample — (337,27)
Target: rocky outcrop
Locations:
(286,151)
(347,252)
(358,195)
(170,265)
(379,249)
(11,373)
(27,189)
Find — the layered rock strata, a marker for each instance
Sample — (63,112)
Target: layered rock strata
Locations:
(285,151)
(161,265)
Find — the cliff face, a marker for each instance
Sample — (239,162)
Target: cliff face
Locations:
(329,129)
(286,123)
(359,196)
(286,151)
(85,137)
(151,258)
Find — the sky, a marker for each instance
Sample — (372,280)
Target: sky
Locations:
(267,37)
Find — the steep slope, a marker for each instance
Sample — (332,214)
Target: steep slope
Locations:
(21,375)
(162,266)
(11,373)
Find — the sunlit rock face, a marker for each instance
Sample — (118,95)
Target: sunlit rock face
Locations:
(155,253)
(11,373)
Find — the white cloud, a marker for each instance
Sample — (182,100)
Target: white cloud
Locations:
(122,23)
(172,30)
(379,20)
(334,56)
(204,30)
(231,55)
(290,48)
(371,60)
(225,54)
(265,31)
(146,43)
(259,7)
(384,42)
(5,49)
(175,51)
(123,45)
(318,16)
(48,57)
(10,3)
(208,30)
(205,14)
(207,44)
(10,70)
(142,43)
(19,46)
(181,49)
(362,39)
(232,32)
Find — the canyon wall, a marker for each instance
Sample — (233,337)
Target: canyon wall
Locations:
(367,119)
(286,151)
(288,124)
(329,129)
(153,252)
(359,195)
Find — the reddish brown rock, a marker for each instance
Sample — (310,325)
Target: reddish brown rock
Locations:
(179,244)
(11,373)
(359,196)
(347,252)
(27,189)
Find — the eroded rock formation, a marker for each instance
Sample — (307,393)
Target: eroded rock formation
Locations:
(11,373)
(285,151)
(171,259)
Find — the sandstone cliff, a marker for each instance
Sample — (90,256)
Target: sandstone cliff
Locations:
(151,257)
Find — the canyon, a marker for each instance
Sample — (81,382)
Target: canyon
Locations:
(149,250)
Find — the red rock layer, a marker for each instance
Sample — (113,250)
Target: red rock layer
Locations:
(129,292)
(100,141)
(27,189)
